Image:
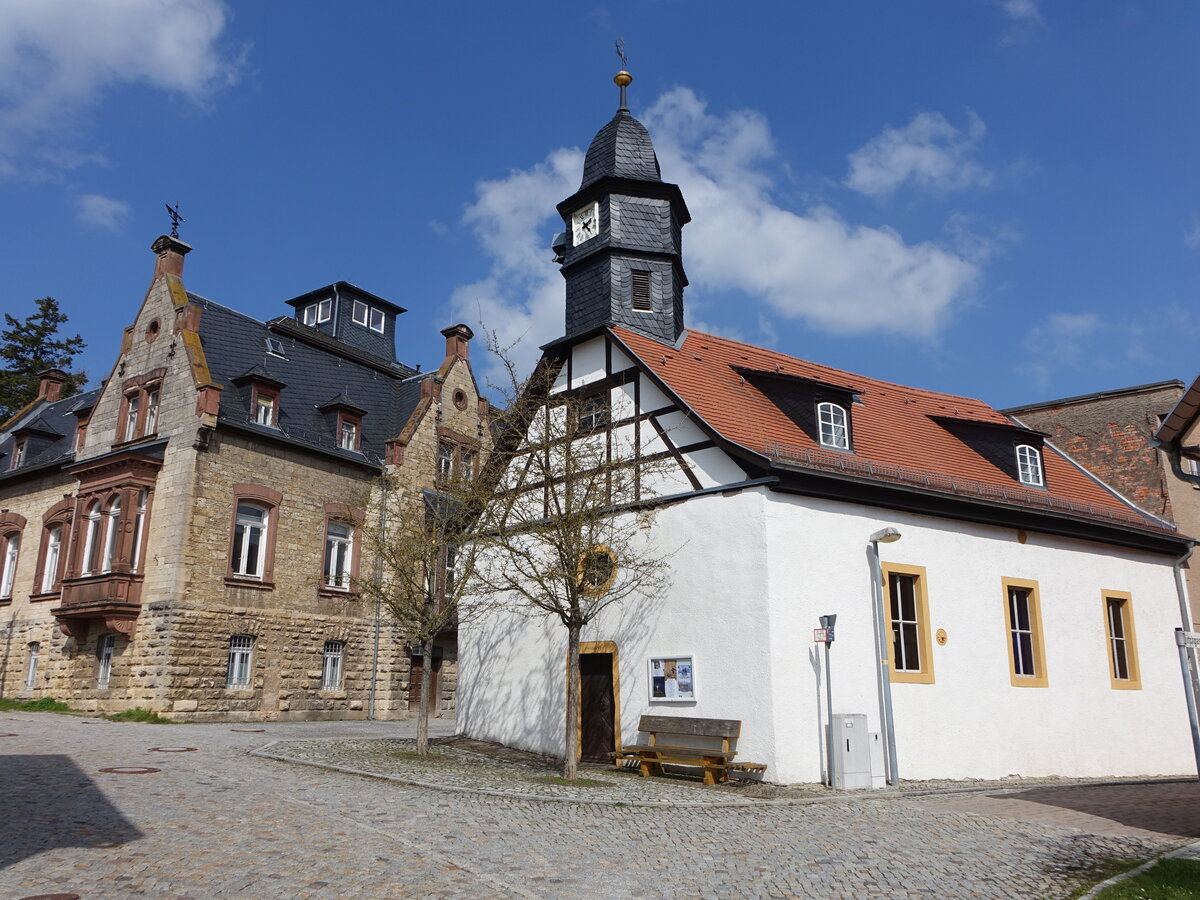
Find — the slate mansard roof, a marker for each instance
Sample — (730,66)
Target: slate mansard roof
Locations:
(930,443)
(50,428)
(318,374)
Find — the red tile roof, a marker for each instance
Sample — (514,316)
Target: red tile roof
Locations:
(895,438)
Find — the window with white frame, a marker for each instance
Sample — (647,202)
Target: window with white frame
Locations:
(832,425)
(18,456)
(249,540)
(112,520)
(104,650)
(53,553)
(151,424)
(264,409)
(339,548)
(347,433)
(1029,466)
(331,665)
(592,412)
(367,316)
(133,403)
(31,667)
(12,549)
(316,313)
(91,539)
(445,460)
(139,527)
(241,647)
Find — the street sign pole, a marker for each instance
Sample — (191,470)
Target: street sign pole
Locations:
(827,623)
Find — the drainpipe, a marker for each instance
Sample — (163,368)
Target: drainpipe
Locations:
(1186,657)
(383,503)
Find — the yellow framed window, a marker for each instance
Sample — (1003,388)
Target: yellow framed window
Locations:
(1123,669)
(907,603)
(1023,621)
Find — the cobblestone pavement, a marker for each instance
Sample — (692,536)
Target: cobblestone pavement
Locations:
(218,822)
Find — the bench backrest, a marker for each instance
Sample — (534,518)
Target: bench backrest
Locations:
(722,728)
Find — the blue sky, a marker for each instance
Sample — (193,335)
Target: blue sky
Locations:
(989,197)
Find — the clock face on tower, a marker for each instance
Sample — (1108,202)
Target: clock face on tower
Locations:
(585,224)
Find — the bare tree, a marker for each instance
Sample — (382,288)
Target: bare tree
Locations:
(423,557)
(565,532)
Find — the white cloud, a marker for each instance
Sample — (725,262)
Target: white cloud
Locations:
(1060,341)
(57,56)
(1192,237)
(928,153)
(811,266)
(99,211)
(1022,10)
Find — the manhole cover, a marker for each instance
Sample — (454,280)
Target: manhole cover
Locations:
(52,897)
(172,749)
(249,730)
(130,770)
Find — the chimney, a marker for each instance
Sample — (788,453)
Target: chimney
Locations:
(50,387)
(456,340)
(170,251)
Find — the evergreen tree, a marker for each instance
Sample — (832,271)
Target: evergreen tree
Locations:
(31,346)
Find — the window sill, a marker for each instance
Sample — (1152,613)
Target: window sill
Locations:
(239,690)
(255,584)
(344,593)
(45,596)
(5,601)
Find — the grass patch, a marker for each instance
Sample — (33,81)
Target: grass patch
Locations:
(1170,879)
(558,779)
(138,714)
(45,704)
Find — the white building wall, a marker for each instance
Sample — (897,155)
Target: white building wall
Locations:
(972,721)
(751,574)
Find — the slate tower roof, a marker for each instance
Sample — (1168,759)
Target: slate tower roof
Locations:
(621,149)
(622,252)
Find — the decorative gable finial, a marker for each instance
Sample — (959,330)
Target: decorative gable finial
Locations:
(176,218)
(622,78)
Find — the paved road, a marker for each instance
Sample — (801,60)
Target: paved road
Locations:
(216,822)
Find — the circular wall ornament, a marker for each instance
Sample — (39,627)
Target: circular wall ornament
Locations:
(152,331)
(460,399)
(597,570)
(941,637)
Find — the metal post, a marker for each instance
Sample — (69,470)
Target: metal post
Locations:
(1186,657)
(886,535)
(827,622)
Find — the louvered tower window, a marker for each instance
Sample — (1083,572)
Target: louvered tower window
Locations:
(641,289)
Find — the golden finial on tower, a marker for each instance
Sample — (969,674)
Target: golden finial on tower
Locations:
(622,79)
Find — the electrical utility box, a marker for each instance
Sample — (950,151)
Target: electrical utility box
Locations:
(851,752)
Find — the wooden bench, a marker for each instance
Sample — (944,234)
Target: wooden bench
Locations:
(716,762)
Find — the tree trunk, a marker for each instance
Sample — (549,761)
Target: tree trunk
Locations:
(423,703)
(571,730)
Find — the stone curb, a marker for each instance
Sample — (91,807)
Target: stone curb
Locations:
(1190,849)
(739,803)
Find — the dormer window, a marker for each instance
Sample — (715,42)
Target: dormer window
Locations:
(833,426)
(1029,466)
(266,408)
(275,347)
(316,313)
(18,456)
(348,431)
(139,406)
(367,316)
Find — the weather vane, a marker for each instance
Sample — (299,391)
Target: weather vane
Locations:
(176,218)
(619,45)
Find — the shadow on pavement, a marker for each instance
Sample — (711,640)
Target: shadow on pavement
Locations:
(1169,808)
(49,803)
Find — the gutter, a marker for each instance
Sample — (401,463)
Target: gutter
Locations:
(1187,658)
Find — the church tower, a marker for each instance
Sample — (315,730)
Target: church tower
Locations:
(622,253)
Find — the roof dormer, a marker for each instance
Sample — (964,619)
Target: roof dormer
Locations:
(350,315)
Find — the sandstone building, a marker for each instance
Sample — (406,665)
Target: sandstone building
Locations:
(186,538)
(1112,435)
